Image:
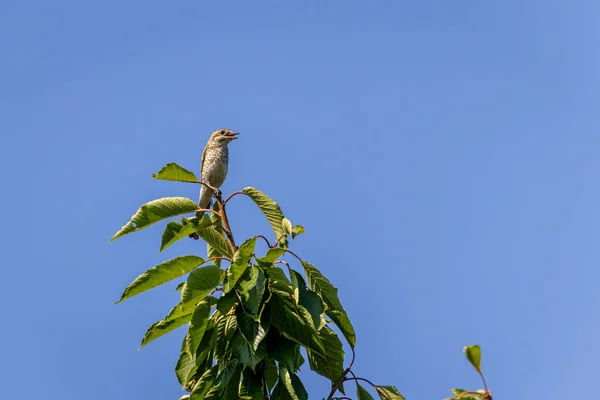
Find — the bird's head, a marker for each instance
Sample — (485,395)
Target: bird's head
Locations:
(222,136)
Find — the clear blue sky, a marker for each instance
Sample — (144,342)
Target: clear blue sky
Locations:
(443,157)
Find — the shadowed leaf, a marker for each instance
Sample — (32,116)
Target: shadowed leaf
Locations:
(239,264)
(173,232)
(200,282)
(362,393)
(331,365)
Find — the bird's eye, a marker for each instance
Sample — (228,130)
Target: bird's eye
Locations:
(221,132)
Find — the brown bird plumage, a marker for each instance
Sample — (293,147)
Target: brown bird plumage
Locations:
(214,165)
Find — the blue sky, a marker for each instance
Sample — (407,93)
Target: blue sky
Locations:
(443,157)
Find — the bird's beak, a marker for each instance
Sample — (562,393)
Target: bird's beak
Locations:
(233,135)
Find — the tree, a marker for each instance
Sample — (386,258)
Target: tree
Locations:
(249,315)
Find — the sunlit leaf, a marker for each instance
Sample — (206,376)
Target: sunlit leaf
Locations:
(160,274)
(155,211)
(473,354)
(174,172)
(389,393)
(297,230)
(239,264)
(201,282)
(362,393)
(173,232)
(270,209)
(198,324)
(293,384)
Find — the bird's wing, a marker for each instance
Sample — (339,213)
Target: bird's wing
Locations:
(202,162)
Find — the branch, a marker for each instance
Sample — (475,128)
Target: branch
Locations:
(346,371)
(226,222)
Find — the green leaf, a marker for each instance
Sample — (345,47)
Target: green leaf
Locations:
(200,282)
(227,302)
(198,324)
(331,365)
(278,282)
(160,274)
(329,293)
(164,326)
(252,288)
(180,286)
(287,226)
(293,384)
(186,366)
(155,211)
(297,230)
(362,393)
(282,350)
(219,246)
(340,318)
(389,393)
(253,331)
(457,392)
(246,355)
(251,386)
(270,209)
(270,373)
(294,324)
(272,255)
(174,172)
(309,300)
(280,392)
(173,232)
(473,354)
(204,384)
(239,264)
(215,221)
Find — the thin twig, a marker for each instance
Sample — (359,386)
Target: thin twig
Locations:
(294,254)
(370,383)
(226,223)
(344,375)
(265,239)
(232,195)
(208,210)
(484,384)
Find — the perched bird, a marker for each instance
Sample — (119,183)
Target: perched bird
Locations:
(214,165)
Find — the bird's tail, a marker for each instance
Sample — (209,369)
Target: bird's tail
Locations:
(203,202)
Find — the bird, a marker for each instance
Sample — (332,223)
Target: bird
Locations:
(213,167)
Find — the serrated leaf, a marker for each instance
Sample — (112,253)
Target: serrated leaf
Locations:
(389,393)
(362,393)
(293,384)
(278,282)
(331,365)
(198,324)
(163,327)
(270,373)
(219,246)
(246,355)
(239,264)
(160,274)
(251,386)
(282,350)
(174,172)
(252,330)
(272,255)
(297,230)
(217,222)
(204,384)
(290,321)
(186,365)
(227,302)
(252,288)
(173,232)
(329,293)
(270,209)
(155,211)
(309,300)
(473,354)
(200,282)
